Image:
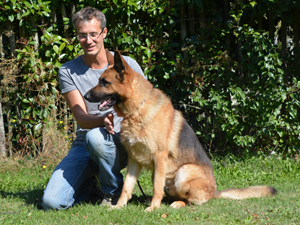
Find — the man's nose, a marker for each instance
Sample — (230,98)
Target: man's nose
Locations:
(89,39)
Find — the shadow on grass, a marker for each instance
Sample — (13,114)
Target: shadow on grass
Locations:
(135,200)
(32,197)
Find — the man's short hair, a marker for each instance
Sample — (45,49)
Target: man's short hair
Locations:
(87,14)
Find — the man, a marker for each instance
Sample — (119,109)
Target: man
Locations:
(97,149)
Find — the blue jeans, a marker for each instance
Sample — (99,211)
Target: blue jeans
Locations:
(96,153)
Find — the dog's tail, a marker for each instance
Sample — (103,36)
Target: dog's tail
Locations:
(248,192)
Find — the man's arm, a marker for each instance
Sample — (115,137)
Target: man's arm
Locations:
(85,120)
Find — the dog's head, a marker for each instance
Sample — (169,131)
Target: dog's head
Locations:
(115,84)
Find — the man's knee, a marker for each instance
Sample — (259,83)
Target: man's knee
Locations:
(98,141)
(49,202)
(52,202)
(58,193)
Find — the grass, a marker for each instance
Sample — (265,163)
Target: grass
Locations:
(23,181)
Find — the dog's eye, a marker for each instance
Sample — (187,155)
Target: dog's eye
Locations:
(104,82)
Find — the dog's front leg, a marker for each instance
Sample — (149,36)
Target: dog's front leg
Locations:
(133,171)
(161,160)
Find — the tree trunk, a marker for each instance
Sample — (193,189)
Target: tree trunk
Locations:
(183,29)
(271,26)
(170,29)
(73,7)
(202,18)
(192,21)
(260,21)
(296,29)
(283,47)
(64,14)
(283,38)
(11,39)
(54,20)
(35,34)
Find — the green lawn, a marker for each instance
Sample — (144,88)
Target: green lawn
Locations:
(23,181)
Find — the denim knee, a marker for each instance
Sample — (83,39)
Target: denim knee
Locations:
(58,194)
(52,202)
(99,142)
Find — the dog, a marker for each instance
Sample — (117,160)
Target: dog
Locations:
(158,138)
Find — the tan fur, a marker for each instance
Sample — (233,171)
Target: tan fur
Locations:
(153,134)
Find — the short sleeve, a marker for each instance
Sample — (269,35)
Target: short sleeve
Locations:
(65,80)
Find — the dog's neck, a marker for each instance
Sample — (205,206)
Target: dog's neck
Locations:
(138,108)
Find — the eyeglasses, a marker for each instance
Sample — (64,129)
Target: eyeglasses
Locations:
(94,36)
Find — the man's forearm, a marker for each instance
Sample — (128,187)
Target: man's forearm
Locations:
(89,121)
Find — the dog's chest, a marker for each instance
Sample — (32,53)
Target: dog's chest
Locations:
(138,144)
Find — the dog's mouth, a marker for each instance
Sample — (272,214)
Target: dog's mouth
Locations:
(108,103)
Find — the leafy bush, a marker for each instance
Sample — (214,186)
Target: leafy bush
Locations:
(237,88)
(252,107)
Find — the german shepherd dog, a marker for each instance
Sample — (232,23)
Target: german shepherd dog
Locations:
(157,137)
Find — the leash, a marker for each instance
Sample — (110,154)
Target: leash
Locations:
(145,197)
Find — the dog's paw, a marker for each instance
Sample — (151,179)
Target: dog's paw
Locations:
(177,205)
(114,207)
(149,209)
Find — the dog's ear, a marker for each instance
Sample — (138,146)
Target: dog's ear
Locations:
(119,65)
(110,57)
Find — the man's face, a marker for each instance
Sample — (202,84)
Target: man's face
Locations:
(91,36)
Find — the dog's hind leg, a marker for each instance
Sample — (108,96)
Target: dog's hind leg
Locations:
(194,184)
(133,171)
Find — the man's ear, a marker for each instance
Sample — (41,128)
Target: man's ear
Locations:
(110,57)
(119,66)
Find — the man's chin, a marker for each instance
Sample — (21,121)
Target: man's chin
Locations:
(91,53)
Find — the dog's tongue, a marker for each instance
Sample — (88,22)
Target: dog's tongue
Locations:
(102,104)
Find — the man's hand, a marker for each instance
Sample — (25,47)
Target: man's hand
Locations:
(109,123)
(85,120)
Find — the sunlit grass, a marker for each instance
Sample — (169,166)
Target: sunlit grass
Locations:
(23,181)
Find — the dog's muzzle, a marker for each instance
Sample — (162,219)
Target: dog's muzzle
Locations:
(107,103)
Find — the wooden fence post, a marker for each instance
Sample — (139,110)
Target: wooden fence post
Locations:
(73,9)
(66,34)
(2,54)
(9,136)
(2,133)
(3,150)
(12,44)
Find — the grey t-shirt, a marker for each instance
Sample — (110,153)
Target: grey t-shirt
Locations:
(76,75)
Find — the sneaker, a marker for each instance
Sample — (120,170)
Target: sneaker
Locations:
(109,200)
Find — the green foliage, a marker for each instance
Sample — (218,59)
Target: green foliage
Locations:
(234,87)
(252,106)
(23,10)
